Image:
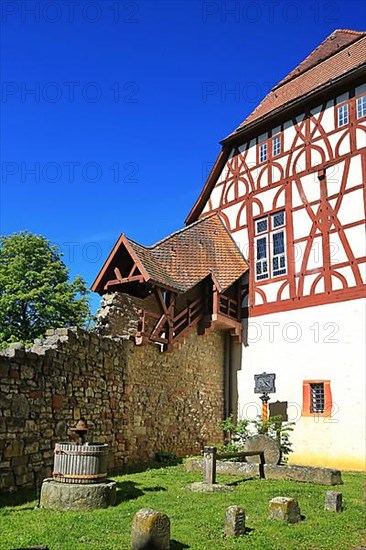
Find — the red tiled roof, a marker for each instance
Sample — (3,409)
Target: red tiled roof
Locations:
(183,259)
(339,39)
(341,52)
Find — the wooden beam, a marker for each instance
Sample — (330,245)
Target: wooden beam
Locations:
(118,274)
(135,278)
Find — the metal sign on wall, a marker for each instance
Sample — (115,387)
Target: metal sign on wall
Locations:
(264,383)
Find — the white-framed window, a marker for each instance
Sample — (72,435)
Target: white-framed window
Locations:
(276,146)
(361,106)
(263,152)
(343,116)
(270,246)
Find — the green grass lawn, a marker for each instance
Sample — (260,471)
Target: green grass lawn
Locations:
(196,518)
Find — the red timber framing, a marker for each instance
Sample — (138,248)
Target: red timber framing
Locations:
(243,185)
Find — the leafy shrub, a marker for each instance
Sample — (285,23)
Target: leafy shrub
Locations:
(236,433)
(166,457)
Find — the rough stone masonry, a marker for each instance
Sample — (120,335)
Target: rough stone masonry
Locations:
(135,399)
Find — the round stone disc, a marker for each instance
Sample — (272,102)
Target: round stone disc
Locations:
(271,448)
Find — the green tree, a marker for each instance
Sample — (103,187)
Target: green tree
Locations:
(35,290)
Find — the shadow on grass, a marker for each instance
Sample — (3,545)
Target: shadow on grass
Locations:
(154,489)
(240,481)
(144,466)
(175,545)
(127,490)
(18,498)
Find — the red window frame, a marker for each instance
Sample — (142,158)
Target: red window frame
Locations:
(307,401)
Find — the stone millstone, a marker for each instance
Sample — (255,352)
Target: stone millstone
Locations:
(74,496)
(150,530)
(271,448)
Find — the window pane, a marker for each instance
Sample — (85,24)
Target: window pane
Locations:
(276,146)
(261,225)
(263,152)
(343,115)
(317,398)
(261,248)
(361,106)
(261,265)
(278,219)
(278,243)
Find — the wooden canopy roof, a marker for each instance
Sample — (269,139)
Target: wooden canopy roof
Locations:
(178,262)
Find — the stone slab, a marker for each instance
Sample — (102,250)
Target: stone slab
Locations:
(309,474)
(201,487)
(224,467)
(75,496)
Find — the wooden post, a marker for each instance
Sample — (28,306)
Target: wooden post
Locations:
(209,465)
(261,465)
(215,303)
(264,398)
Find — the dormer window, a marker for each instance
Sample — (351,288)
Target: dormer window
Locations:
(343,116)
(269,145)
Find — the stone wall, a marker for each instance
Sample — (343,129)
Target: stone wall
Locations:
(119,314)
(136,399)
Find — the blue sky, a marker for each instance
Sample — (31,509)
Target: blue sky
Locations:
(112,112)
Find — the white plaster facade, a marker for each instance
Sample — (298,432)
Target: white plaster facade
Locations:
(309,324)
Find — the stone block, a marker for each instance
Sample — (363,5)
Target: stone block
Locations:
(235,521)
(333,501)
(7,480)
(20,406)
(150,529)
(284,509)
(57,401)
(75,496)
(15,448)
(202,487)
(320,476)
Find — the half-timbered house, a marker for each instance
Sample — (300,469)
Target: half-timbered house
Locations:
(286,198)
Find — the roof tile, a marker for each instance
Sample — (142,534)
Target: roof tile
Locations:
(332,59)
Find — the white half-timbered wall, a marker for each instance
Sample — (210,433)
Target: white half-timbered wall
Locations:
(318,182)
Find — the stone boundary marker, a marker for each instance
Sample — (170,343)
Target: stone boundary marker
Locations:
(320,476)
(333,501)
(150,530)
(284,509)
(235,521)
